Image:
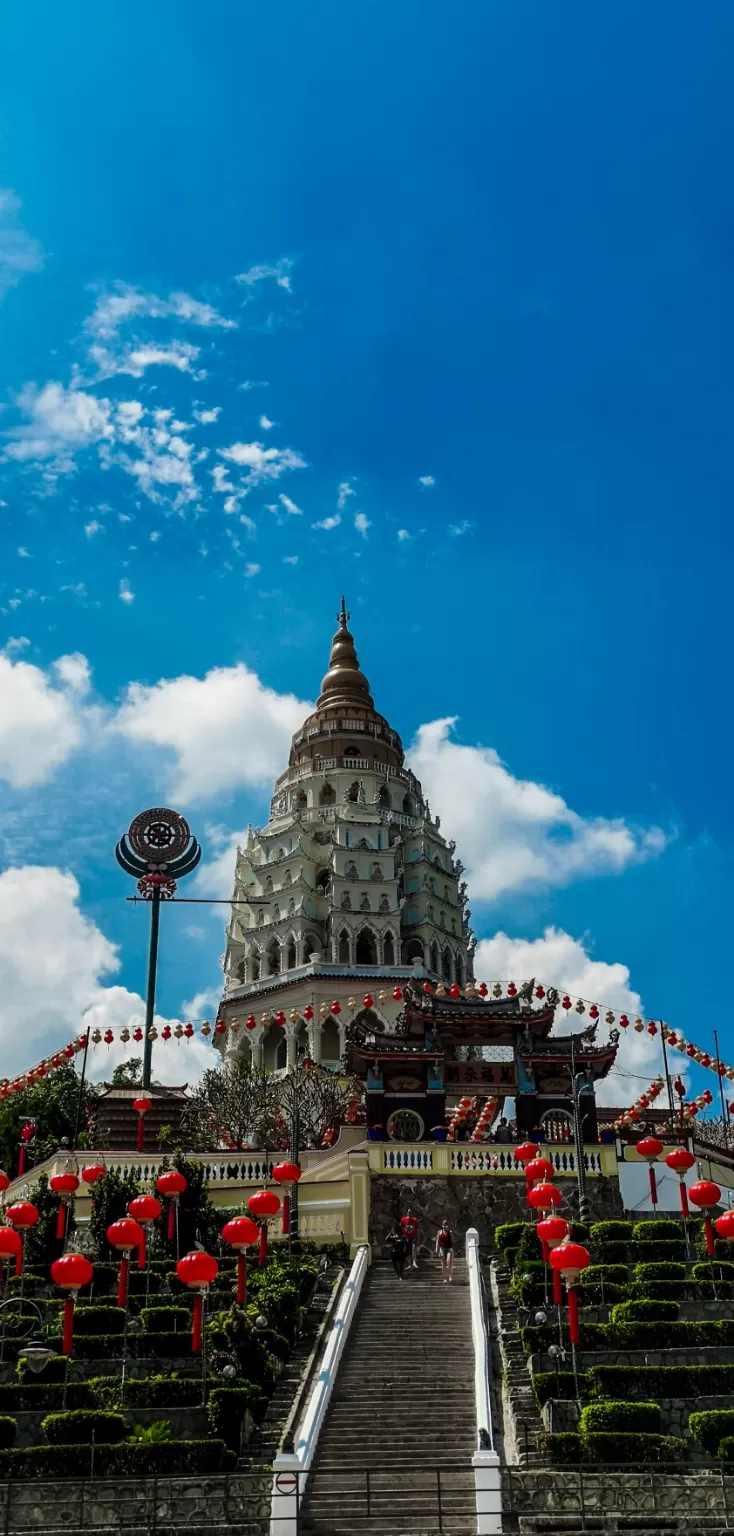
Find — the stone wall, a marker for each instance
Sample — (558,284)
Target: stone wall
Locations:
(602,1493)
(482,1201)
(675,1413)
(145,1505)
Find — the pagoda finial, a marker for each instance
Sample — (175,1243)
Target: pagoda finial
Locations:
(343,617)
(344,682)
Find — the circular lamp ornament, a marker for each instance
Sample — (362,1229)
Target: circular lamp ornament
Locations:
(263,1204)
(286,1174)
(725,1226)
(65,1186)
(651,1149)
(240,1233)
(680,1161)
(172,1185)
(538,1170)
(70,1272)
(197,1270)
(544,1197)
(704,1194)
(145,1209)
(569,1259)
(4,1182)
(125,1235)
(93,1173)
(141,1107)
(11,1247)
(22,1216)
(553,1231)
(525,1151)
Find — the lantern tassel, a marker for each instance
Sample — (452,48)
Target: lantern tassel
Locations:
(557,1292)
(196,1329)
(709,1235)
(241,1278)
(684,1199)
(67,1339)
(573,1315)
(653,1185)
(61,1221)
(263,1247)
(286,1215)
(122,1285)
(141,1133)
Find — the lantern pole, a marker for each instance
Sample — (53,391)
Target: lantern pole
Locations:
(155,917)
(577,1079)
(77,1115)
(671,1105)
(295,1139)
(724,1120)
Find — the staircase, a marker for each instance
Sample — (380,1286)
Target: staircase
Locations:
(394,1454)
(525,1424)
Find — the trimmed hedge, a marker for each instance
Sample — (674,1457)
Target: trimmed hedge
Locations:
(610,1232)
(628,1336)
(662,1271)
(8,1431)
(175,1458)
(108,1346)
(655,1231)
(666,1249)
(711,1427)
(508,1234)
(227,1407)
(95,1320)
(559,1386)
(604,1282)
(564,1449)
(634,1450)
(32,1398)
(659,1381)
(726,1449)
(620,1418)
(723,1271)
(82,1426)
(55,1370)
(610,1253)
(659,1290)
(166,1319)
(645,1311)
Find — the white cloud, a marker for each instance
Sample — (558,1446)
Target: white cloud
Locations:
(40,723)
(173,354)
(403,535)
(91,528)
(361,524)
(24,553)
(290,559)
(277,272)
(19,253)
(426,480)
(15,644)
(174,1061)
(515,833)
(126,595)
(290,506)
(207,417)
(74,670)
(345,491)
(266,424)
(60,422)
(251,569)
(260,462)
(328,522)
(558,960)
(154,536)
(457,530)
(223,731)
(118,305)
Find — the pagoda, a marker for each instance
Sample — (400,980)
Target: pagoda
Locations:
(351,936)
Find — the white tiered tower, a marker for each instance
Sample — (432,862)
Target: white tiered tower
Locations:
(350,887)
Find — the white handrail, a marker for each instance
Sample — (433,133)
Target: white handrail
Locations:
(485,1439)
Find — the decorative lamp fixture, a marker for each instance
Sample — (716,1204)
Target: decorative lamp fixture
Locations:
(651,1149)
(369,1001)
(569,1259)
(553,1231)
(93,1173)
(171,1184)
(141,1107)
(704,1194)
(22,1216)
(539,1168)
(11,1247)
(36,1355)
(125,1235)
(240,1233)
(263,1204)
(286,1174)
(144,1209)
(680,1160)
(544,1197)
(197,1270)
(70,1272)
(65,1186)
(524,1154)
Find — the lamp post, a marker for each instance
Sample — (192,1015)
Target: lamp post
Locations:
(569,1259)
(580,1080)
(158,848)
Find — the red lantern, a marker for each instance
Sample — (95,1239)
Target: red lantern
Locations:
(569,1259)
(336,1006)
(308,1012)
(125,1235)
(141,1107)
(137,1033)
(651,1149)
(11,1247)
(241,1233)
(553,1231)
(64,1185)
(71,1272)
(512,990)
(4,1182)
(543,1197)
(539,1168)
(427,988)
(454,990)
(704,1194)
(540,991)
(145,1209)
(279,1020)
(197,1270)
(690,1050)
(286,1173)
(566,1003)
(483,989)
(624,1021)
(263,1204)
(525,1151)
(369,1001)
(250,1021)
(397,994)
(93,1172)
(188,1030)
(593,1011)
(725,1226)
(171,1184)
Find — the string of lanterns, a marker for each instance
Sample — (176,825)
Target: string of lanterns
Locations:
(673,1038)
(636,1111)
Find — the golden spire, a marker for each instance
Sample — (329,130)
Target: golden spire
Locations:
(344,683)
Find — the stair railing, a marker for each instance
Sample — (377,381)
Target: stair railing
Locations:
(485,1460)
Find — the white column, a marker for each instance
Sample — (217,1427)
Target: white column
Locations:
(256,1038)
(314,1035)
(291,1037)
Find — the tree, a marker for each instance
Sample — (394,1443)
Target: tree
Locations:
(234,1107)
(52,1104)
(42,1245)
(128,1074)
(198,1221)
(320,1098)
(112,1195)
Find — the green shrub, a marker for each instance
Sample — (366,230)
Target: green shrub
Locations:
(726,1449)
(93,1319)
(227,1406)
(564,1449)
(634,1450)
(529,1249)
(166,1319)
(610,1253)
(666,1249)
(179,1458)
(558,1385)
(628,1336)
(711,1427)
(658,1290)
(670,1271)
(611,1274)
(659,1381)
(610,1232)
(33,1398)
(713,1291)
(620,1418)
(162,1392)
(723,1271)
(157,1433)
(644,1311)
(8,1431)
(658,1230)
(108,1346)
(55,1370)
(508,1234)
(82,1425)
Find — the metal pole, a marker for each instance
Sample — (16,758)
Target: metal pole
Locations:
(725,1124)
(671,1105)
(584,1208)
(79,1095)
(155,913)
(295,1139)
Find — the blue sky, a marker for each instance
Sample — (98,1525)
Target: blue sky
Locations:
(475,272)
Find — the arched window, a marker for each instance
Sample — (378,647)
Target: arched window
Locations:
(353,791)
(351,751)
(343,955)
(460,970)
(383,796)
(327,795)
(254,965)
(281,1054)
(273,960)
(269,886)
(435,958)
(260,919)
(323,881)
(393,835)
(281,853)
(366,953)
(445,893)
(291,907)
(288,878)
(447,967)
(412,950)
(310,945)
(453,925)
(407,806)
(291,955)
(241,970)
(388,949)
(276,913)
